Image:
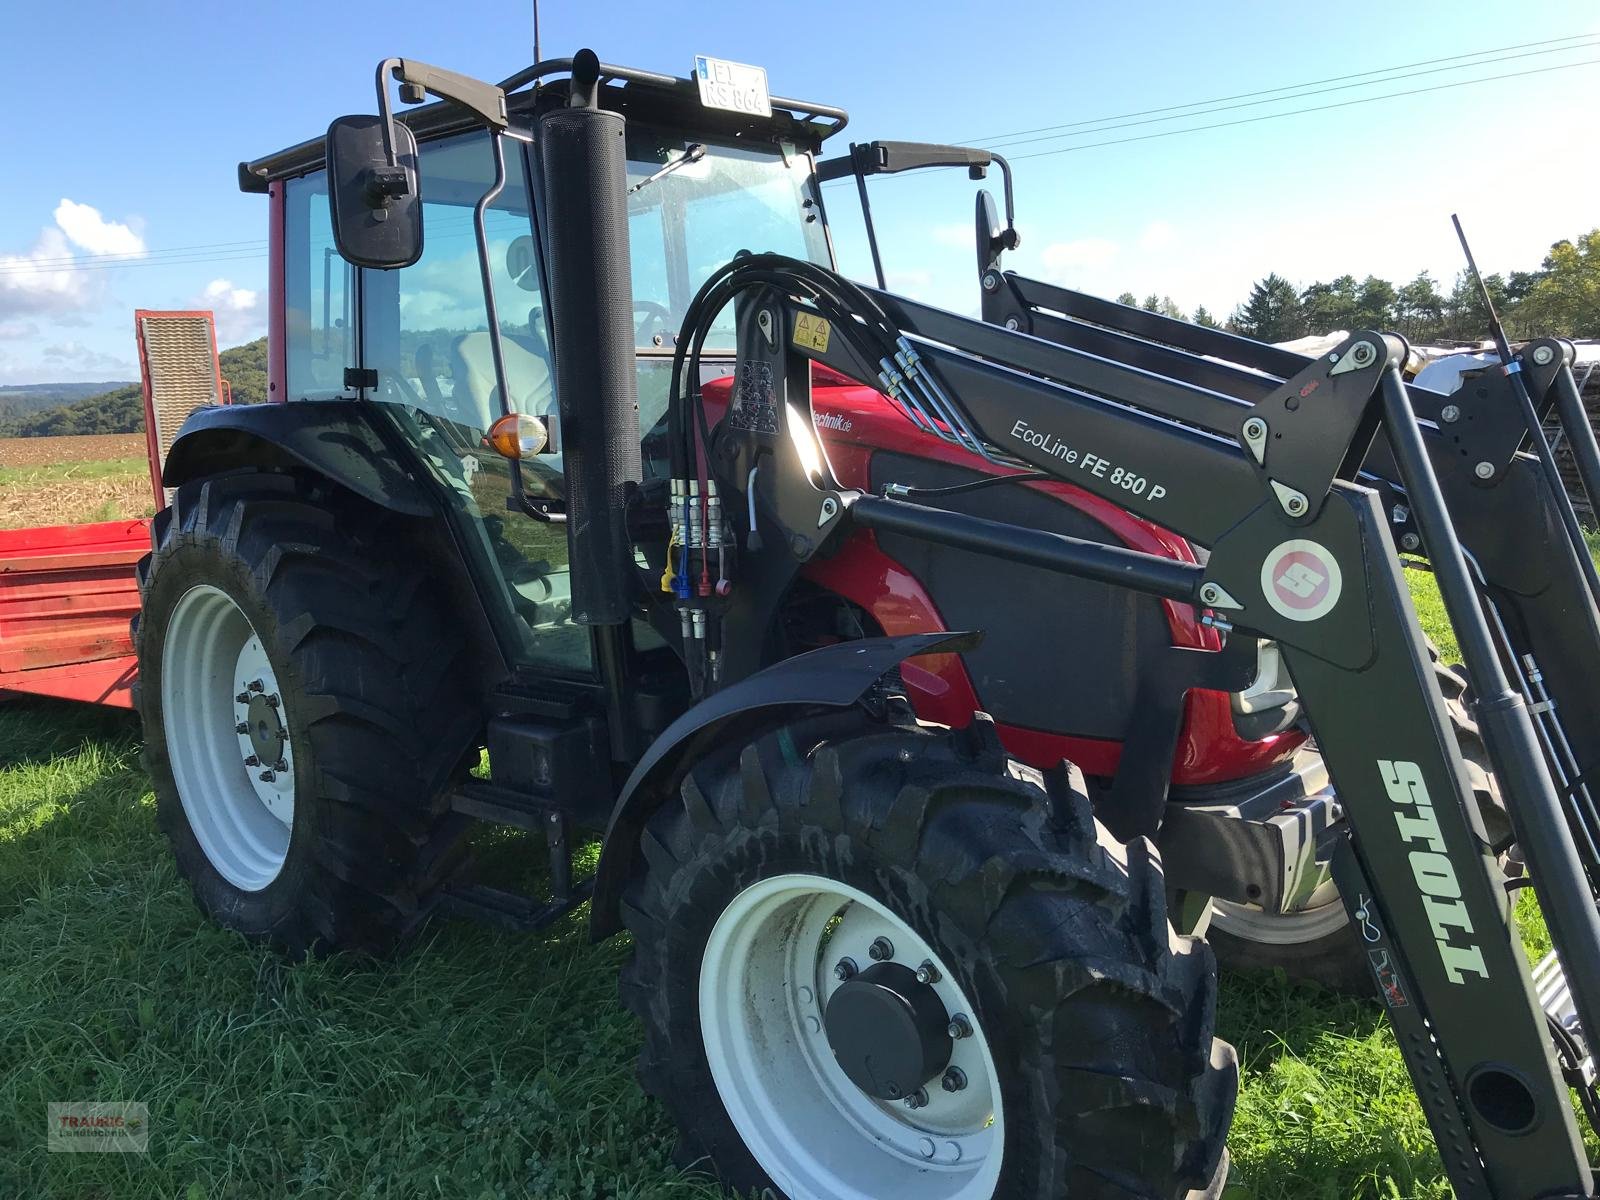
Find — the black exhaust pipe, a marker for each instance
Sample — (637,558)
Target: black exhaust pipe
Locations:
(584,164)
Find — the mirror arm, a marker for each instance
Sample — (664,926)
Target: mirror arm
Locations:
(1011,239)
(386,110)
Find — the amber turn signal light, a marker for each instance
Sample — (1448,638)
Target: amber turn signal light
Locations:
(518,435)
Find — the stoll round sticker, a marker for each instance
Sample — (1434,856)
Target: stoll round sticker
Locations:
(1301,580)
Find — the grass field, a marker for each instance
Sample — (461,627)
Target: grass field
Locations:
(73,480)
(480,1064)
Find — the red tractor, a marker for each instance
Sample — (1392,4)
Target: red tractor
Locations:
(885,647)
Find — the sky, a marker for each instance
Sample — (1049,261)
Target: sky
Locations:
(117,159)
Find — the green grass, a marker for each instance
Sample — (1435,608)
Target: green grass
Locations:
(479,1064)
(1430,606)
(111,468)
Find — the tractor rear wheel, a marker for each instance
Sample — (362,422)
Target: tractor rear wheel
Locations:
(304,697)
(1315,942)
(880,961)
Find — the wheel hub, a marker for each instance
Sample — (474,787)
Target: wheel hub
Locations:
(267,734)
(889,1032)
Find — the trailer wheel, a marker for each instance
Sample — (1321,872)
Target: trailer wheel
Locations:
(1315,942)
(883,962)
(304,701)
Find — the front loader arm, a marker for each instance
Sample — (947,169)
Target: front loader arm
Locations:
(1301,553)
(1518,530)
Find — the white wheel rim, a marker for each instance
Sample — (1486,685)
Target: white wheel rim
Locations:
(1322,914)
(765,981)
(240,806)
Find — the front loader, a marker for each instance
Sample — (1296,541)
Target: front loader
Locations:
(605,534)
(1488,447)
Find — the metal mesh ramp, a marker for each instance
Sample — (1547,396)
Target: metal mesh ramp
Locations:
(178,366)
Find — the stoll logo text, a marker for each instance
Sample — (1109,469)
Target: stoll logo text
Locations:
(827,420)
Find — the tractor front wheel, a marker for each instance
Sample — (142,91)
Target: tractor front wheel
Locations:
(876,961)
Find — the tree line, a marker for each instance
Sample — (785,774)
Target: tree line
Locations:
(121,410)
(1561,298)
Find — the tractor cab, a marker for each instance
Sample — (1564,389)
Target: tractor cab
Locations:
(703,184)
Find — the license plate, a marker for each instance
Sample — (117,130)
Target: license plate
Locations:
(736,87)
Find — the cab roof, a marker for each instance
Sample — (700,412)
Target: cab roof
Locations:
(645,96)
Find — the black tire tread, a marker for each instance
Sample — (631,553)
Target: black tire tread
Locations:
(1066,932)
(386,702)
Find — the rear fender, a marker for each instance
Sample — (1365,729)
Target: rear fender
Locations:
(832,677)
(334,438)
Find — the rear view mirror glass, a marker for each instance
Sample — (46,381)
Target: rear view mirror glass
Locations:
(375,206)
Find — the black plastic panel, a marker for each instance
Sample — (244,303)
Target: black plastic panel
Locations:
(1059,654)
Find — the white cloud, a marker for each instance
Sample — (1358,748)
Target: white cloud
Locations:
(18,329)
(79,361)
(910,282)
(93,233)
(1064,262)
(48,277)
(959,236)
(239,313)
(1157,235)
(34,280)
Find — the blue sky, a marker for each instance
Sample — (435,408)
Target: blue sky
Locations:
(128,120)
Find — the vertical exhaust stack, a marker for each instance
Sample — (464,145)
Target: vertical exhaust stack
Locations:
(585,173)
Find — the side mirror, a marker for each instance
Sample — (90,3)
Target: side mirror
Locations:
(994,239)
(374,199)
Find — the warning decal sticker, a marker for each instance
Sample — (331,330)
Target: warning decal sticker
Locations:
(811,332)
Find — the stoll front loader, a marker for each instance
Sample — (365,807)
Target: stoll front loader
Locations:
(618,534)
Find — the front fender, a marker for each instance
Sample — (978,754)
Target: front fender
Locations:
(335,438)
(832,677)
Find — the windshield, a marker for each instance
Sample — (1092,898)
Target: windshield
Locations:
(691,221)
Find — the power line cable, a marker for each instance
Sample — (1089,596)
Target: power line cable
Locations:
(1438,87)
(12,271)
(1288,87)
(1344,87)
(141,255)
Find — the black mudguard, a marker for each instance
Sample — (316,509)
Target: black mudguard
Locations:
(833,677)
(335,438)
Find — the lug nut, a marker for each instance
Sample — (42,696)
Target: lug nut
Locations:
(927,973)
(267,777)
(959,1027)
(242,727)
(281,765)
(255,685)
(252,761)
(954,1080)
(845,969)
(273,701)
(917,1099)
(881,950)
(242,698)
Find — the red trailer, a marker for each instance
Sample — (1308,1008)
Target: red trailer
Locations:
(68,592)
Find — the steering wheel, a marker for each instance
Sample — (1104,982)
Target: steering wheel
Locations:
(655,315)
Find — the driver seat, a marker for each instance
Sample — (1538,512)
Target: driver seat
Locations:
(527,374)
